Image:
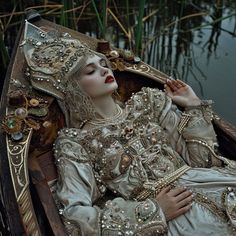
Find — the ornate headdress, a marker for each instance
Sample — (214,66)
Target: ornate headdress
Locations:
(52,58)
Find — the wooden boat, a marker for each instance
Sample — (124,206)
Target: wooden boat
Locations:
(27,169)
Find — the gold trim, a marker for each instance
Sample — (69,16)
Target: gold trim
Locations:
(18,163)
(17,158)
(148,71)
(230,163)
(211,206)
(153,188)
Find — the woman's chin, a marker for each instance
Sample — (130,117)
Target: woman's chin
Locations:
(105,91)
(111,87)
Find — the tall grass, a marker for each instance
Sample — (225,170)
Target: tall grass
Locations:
(144,25)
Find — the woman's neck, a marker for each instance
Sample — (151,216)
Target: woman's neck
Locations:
(105,106)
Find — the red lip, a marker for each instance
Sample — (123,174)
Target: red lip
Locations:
(109,79)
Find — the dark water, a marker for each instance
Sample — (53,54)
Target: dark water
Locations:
(203,54)
(210,66)
(213,74)
(191,40)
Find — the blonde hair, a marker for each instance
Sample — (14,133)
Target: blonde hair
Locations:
(78,106)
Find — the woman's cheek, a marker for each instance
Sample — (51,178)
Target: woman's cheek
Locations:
(88,85)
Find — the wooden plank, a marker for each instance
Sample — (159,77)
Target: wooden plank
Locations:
(44,192)
(226,135)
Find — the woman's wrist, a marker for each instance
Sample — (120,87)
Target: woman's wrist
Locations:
(193,103)
(200,103)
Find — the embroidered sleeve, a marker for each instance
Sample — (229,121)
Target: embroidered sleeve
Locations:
(195,136)
(190,132)
(199,135)
(78,192)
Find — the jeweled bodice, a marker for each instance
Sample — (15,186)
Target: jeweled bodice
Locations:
(131,152)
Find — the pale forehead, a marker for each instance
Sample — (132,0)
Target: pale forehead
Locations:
(93,60)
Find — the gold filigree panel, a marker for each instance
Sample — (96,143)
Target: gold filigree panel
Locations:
(17,159)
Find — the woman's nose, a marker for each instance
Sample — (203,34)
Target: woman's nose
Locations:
(104,71)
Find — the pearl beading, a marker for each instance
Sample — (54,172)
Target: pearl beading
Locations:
(153,188)
(183,122)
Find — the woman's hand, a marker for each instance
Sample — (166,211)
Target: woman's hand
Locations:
(181,93)
(174,202)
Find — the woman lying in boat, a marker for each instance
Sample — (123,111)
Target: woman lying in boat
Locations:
(159,162)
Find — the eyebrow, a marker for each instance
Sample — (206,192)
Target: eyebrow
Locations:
(92,63)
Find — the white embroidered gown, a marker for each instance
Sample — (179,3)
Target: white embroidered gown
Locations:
(108,177)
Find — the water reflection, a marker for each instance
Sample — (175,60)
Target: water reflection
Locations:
(198,46)
(194,41)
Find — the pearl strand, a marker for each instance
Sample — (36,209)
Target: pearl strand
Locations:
(109,120)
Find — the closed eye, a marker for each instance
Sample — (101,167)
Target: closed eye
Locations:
(90,72)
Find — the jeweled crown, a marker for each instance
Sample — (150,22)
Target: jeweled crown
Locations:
(51,58)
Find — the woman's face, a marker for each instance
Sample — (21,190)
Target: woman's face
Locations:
(96,79)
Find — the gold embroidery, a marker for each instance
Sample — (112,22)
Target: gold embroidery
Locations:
(210,159)
(151,189)
(228,199)
(211,206)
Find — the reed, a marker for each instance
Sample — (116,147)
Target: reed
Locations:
(101,17)
(139,27)
(4,53)
(63,17)
(67,16)
(144,25)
